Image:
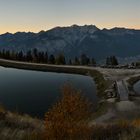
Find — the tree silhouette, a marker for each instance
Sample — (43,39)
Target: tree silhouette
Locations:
(60,60)
(51,59)
(20,56)
(93,62)
(29,57)
(46,57)
(35,55)
(84,60)
(70,62)
(76,61)
(112,60)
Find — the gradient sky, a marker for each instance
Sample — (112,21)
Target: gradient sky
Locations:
(36,15)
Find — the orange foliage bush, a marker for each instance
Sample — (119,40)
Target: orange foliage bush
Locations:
(136,123)
(68,119)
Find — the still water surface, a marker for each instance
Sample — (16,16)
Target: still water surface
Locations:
(34,92)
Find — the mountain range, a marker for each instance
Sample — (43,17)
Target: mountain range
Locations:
(76,40)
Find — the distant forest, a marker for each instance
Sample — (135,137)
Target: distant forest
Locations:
(36,56)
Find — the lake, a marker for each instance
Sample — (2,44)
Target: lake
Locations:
(34,92)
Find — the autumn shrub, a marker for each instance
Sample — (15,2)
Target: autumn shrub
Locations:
(136,123)
(2,113)
(69,118)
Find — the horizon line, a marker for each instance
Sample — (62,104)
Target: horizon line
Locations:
(59,26)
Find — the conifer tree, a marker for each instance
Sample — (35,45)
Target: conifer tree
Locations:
(51,59)
(60,60)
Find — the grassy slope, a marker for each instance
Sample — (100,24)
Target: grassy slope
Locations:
(19,127)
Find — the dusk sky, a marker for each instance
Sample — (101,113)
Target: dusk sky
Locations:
(36,15)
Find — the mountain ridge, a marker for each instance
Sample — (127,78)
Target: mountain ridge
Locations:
(75,40)
(71,26)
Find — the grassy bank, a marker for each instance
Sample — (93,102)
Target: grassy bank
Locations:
(101,84)
(14,126)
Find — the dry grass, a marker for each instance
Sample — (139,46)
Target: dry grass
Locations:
(19,127)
